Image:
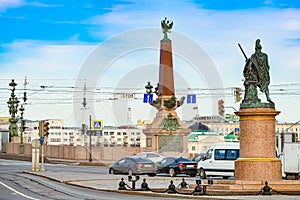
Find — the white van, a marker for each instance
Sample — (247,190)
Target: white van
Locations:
(219,160)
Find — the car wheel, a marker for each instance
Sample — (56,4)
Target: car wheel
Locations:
(130,172)
(202,173)
(112,171)
(193,175)
(225,177)
(152,175)
(172,172)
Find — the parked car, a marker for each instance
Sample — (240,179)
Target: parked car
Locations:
(155,157)
(178,165)
(133,165)
(198,157)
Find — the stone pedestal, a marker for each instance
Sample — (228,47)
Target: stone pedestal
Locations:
(257,145)
(168,142)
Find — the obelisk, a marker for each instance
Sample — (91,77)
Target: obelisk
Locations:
(166,134)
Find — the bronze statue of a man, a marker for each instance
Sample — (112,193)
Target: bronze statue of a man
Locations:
(256,70)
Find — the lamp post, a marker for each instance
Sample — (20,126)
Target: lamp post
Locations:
(13,104)
(149,88)
(21,109)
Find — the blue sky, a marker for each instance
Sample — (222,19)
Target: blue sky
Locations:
(49,42)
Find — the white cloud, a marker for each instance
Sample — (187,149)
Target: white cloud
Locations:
(5,4)
(41,59)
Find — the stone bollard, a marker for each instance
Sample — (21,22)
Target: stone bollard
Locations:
(172,188)
(144,185)
(183,184)
(122,184)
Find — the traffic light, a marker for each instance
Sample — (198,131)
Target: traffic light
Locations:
(221,108)
(25,97)
(237,94)
(46,128)
(43,129)
(23,125)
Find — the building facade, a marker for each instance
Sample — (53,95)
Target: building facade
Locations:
(132,136)
(126,136)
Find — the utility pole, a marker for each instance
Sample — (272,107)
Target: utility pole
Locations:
(21,109)
(84,101)
(90,159)
(25,93)
(129,116)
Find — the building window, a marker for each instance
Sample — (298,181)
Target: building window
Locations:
(111,133)
(193,148)
(149,142)
(55,140)
(105,133)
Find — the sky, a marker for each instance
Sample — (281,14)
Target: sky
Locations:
(100,50)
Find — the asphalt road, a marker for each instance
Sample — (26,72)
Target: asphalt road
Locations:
(16,185)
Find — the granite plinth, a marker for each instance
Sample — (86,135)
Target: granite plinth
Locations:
(257,145)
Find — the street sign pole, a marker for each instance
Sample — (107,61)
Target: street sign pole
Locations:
(42,161)
(41,133)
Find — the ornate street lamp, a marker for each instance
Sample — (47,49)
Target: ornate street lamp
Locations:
(13,104)
(149,88)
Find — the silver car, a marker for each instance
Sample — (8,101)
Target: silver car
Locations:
(133,165)
(155,157)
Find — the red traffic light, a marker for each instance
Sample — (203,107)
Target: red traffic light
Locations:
(46,128)
(221,108)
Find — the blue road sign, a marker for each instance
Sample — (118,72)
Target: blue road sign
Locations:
(97,125)
(148,98)
(191,98)
(41,140)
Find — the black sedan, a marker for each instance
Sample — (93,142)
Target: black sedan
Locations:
(179,165)
(133,165)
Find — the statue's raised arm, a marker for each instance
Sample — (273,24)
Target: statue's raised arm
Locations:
(166,26)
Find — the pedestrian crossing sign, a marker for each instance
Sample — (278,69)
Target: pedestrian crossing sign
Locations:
(97,125)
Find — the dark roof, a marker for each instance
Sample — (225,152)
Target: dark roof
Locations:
(199,127)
